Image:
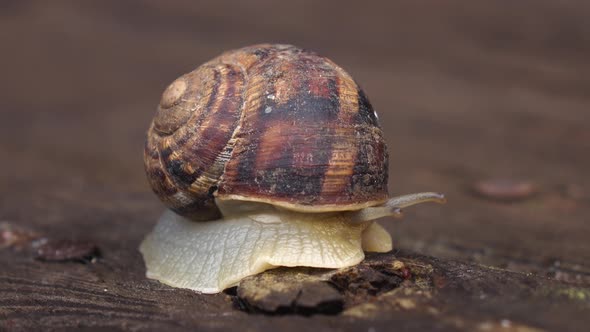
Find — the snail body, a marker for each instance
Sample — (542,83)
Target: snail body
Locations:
(266,156)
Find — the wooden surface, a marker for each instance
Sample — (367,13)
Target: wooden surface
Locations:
(465,91)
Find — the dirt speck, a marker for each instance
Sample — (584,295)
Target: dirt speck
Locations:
(504,189)
(15,237)
(66,250)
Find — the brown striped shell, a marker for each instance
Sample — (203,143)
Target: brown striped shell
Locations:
(266,123)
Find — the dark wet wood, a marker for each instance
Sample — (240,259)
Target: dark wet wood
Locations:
(465,92)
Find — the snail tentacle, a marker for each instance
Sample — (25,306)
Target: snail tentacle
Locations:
(393,207)
(404,201)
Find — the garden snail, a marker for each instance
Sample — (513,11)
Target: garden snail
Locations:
(266,156)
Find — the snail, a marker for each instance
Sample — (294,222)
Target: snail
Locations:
(265,156)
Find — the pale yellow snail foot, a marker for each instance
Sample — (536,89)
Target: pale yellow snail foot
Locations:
(376,239)
(211,256)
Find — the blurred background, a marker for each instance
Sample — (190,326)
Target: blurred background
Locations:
(484,101)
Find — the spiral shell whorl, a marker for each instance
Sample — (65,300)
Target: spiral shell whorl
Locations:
(187,145)
(270,123)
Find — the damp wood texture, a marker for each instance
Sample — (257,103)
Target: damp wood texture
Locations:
(473,99)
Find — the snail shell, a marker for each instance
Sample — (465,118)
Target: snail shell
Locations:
(267,123)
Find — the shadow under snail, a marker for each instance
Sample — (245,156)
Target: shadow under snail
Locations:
(266,156)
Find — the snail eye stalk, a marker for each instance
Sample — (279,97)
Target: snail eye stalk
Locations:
(393,207)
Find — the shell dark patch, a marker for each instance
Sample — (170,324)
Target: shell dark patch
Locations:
(175,168)
(366,112)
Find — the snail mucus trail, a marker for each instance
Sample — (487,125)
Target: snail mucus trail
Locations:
(266,156)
